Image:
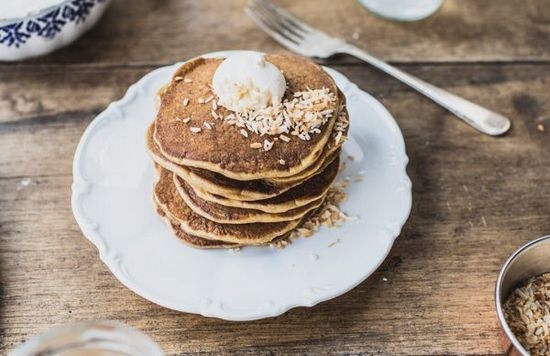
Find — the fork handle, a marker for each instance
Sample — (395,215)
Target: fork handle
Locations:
(482,119)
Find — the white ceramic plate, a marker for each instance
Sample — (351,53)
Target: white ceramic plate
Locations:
(113,178)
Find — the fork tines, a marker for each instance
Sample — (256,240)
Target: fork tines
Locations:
(290,31)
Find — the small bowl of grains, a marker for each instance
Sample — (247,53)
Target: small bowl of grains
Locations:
(522,297)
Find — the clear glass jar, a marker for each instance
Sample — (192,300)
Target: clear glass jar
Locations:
(99,338)
(402,10)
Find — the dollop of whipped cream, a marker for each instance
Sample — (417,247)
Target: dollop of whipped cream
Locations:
(246,81)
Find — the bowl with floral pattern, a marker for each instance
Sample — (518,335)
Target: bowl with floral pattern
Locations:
(35,28)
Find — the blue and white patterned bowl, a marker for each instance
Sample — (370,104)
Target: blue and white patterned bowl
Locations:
(44,31)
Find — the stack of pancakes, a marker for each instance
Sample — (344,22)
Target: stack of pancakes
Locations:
(219,183)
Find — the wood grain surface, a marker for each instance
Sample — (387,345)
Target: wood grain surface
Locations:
(476,198)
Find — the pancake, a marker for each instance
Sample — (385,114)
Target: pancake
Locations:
(230,153)
(169,200)
(192,240)
(218,184)
(230,215)
(203,178)
(303,194)
(197,242)
(223,186)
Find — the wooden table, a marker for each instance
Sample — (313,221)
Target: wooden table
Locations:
(476,198)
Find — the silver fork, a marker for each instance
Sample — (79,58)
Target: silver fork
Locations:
(310,42)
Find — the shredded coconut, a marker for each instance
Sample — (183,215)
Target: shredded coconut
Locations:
(255,145)
(527,312)
(301,116)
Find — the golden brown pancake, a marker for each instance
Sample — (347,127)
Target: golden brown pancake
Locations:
(218,184)
(197,242)
(202,178)
(303,194)
(169,200)
(230,215)
(192,240)
(223,149)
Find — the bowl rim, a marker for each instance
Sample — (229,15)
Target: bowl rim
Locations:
(32,13)
(498,289)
